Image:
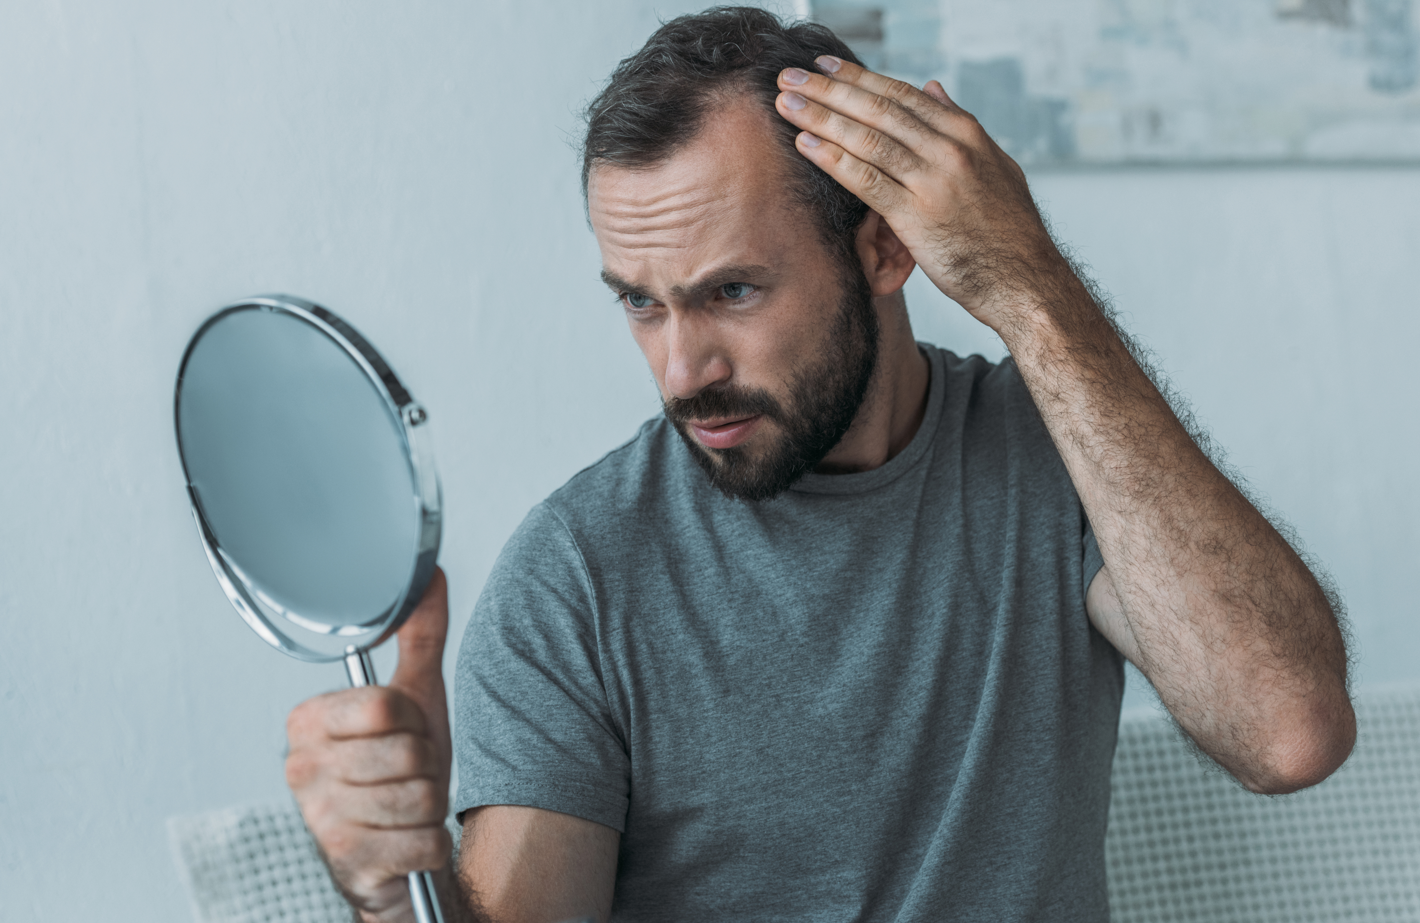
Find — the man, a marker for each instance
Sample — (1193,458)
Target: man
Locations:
(840,637)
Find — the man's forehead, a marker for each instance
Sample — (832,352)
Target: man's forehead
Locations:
(721,199)
(735,153)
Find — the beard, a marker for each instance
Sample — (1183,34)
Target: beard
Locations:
(824,398)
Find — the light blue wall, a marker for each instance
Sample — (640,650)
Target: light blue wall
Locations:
(408,164)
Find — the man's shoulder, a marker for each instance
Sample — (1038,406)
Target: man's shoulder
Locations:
(980,387)
(976,369)
(603,510)
(630,480)
(990,410)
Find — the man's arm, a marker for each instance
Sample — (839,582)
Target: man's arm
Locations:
(370,770)
(526,865)
(1199,590)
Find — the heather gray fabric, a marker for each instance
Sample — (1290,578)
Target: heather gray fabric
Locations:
(875,698)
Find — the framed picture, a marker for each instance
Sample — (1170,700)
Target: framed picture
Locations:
(1111,82)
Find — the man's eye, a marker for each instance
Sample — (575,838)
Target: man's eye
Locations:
(637,301)
(736,290)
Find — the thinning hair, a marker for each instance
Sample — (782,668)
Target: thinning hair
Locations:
(657,100)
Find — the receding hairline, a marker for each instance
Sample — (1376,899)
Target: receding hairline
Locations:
(734,92)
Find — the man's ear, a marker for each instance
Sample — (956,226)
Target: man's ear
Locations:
(886,260)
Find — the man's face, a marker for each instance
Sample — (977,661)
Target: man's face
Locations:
(761,343)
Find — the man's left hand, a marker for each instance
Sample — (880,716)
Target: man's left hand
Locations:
(959,202)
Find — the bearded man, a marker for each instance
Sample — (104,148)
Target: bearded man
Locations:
(840,636)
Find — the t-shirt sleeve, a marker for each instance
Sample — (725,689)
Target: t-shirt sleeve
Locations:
(532,726)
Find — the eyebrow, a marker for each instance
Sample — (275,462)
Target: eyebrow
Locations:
(700,290)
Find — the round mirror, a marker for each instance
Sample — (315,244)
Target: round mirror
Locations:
(310,476)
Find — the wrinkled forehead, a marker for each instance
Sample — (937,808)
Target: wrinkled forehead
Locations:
(730,179)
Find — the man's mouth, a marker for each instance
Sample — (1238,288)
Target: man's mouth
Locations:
(724,432)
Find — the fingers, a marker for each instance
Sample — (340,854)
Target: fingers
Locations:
(372,842)
(884,149)
(316,758)
(371,865)
(383,760)
(370,711)
(375,804)
(361,756)
(878,191)
(920,120)
(327,800)
(931,109)
(881,111)
(393,806)
(382,854)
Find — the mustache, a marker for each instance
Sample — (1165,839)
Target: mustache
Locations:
(723,401)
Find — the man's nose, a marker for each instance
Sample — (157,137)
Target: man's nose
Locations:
(695,358)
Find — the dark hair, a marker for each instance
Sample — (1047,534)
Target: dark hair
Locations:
(657,99)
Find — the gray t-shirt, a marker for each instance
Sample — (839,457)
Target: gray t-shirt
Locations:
(877,697)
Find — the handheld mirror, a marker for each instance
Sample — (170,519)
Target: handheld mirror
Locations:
(311,479)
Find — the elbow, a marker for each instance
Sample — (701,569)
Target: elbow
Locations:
(1304,749)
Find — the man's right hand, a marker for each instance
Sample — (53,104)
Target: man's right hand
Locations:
(370,770)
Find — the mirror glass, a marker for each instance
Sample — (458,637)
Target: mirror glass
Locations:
(301,468)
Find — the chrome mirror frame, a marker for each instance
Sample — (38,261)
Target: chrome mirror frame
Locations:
(410,419)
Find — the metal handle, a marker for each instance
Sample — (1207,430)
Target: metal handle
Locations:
(424,898)
(361,671)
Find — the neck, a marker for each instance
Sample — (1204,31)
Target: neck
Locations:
(896,400)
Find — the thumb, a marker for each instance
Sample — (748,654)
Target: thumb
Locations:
(934,89)
(420,671)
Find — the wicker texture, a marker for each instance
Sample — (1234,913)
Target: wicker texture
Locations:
(1187,843)
(255,864)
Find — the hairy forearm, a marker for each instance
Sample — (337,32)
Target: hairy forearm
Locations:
(461,905)
(1213,605)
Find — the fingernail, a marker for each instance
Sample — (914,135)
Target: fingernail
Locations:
(809,140)
(828,63)
(794,101)
(795,77)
